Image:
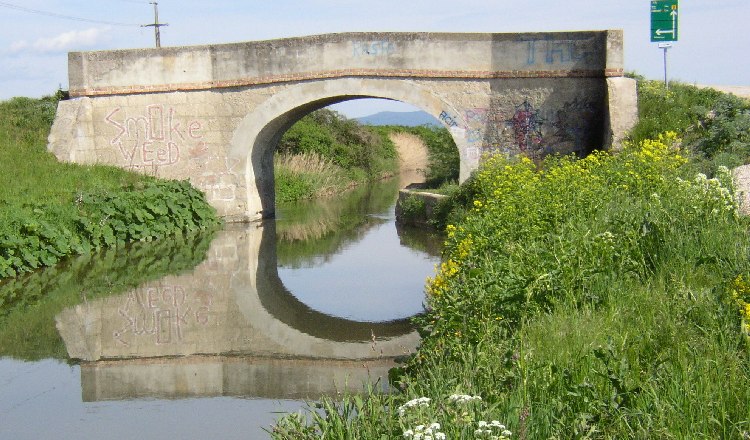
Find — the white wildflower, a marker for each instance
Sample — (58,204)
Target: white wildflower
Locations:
(463,398)
(418,402)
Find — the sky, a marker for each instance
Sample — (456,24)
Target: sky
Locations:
(36,35)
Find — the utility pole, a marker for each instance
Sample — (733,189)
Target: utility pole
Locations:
(156,24)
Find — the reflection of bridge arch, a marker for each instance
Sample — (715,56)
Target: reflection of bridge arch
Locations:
(284,306)
(285,319)
(218,330)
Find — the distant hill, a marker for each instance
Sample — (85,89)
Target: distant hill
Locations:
(407,119)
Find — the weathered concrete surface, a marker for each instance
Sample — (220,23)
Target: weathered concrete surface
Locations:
(741,177)
(213,114)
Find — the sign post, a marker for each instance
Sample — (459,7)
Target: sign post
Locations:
(664,29)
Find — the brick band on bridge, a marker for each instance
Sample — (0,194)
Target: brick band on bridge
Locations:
(332,74)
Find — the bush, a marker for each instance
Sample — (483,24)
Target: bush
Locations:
(324,153)
(714,126)
(341,141)
(413,208)
(32,236)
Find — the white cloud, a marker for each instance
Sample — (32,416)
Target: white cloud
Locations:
(64,42)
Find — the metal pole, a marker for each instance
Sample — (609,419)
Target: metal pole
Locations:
(666,82)
(665,47)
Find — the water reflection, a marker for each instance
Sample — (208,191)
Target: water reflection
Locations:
(232,327)
(375,271)
(231,305)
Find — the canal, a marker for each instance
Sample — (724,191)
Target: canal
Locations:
(214,335)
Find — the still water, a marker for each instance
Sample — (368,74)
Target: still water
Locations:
(214,336)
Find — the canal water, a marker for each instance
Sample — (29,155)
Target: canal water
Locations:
(214,335)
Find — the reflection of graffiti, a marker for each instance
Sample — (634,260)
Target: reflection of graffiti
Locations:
(155,138)
(449,120)
(527,127)
(574,121)
(559,51)
(162,312)
(372,48)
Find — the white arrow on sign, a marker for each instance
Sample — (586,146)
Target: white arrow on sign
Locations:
(674,25)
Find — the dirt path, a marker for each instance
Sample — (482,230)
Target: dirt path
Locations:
(412,153)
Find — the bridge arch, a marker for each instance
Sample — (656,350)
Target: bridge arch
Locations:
(259,132)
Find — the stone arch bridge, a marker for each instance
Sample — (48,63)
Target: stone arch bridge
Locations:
(213,114)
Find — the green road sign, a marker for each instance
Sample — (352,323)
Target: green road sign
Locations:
(664,20)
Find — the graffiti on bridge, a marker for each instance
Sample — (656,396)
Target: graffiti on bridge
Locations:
(527,129)
(550,52)
(155,138)
(381,48)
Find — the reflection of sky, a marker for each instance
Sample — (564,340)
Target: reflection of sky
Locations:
(374,279)
(42,400)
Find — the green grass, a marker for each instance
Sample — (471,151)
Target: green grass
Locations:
(714,126)
(29,175)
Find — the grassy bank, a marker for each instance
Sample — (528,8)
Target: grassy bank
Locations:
(50,210)
(593,298)
(324,153)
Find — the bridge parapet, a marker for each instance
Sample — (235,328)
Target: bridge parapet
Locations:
(392,55)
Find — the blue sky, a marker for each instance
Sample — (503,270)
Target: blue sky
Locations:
(713,46)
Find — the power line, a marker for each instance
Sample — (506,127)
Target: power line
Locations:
(66,17)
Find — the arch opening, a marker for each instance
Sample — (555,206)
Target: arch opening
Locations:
(257,136)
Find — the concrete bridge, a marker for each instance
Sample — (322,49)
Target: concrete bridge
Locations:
(213,114)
